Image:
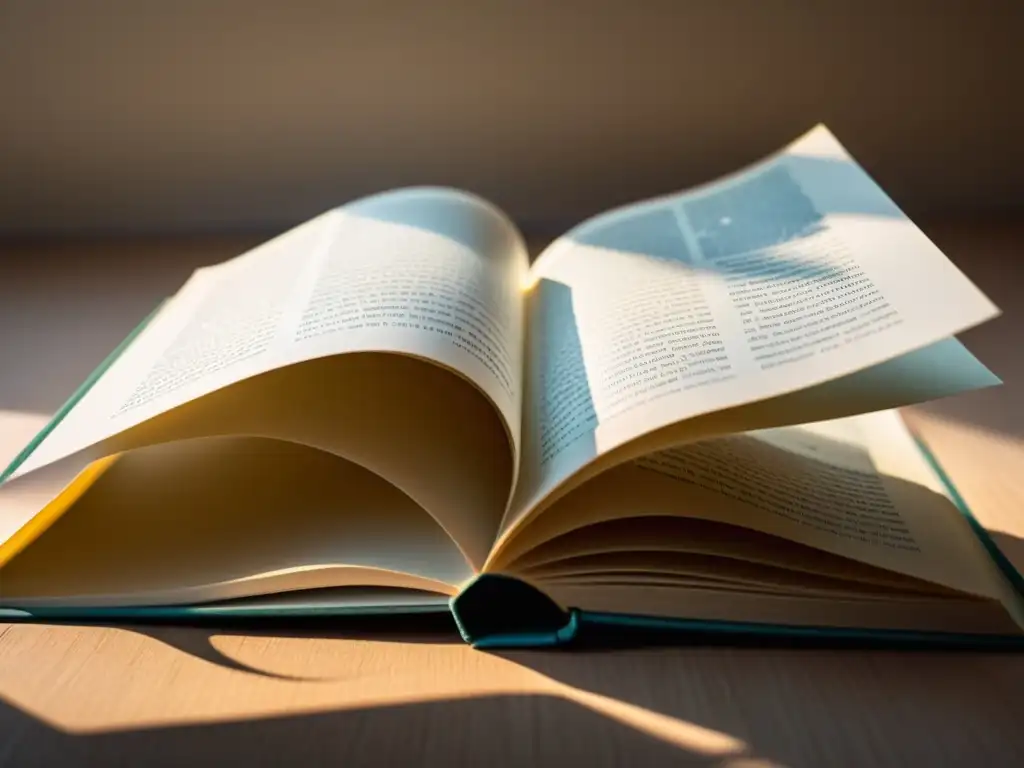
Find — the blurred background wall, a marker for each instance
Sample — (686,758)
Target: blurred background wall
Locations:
(187,117)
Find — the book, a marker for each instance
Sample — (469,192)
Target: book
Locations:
(681,418)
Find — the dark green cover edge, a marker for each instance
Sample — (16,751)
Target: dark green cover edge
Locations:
(200,612)
(889,638)
(1011,573)
(78,394)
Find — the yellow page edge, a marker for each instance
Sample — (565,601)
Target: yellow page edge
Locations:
(52,512)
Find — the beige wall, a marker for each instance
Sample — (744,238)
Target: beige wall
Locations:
(168,116)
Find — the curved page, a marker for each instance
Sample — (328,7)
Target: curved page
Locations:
(220,518)
(694,536)
(857,488)
(431,274)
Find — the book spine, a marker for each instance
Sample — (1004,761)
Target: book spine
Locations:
(501,612)
(497,611)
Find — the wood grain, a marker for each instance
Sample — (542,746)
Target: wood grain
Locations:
(411,693)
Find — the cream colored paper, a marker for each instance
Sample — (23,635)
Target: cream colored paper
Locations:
(786,276)
(379,275)
(220,518)
(289,341)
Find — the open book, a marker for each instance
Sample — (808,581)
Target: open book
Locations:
(661,420)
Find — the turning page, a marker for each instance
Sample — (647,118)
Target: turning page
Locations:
(259,346)
(793,273)
(430,273)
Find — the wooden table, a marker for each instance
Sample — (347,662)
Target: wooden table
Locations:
(168,695)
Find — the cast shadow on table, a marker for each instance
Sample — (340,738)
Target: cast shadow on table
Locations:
(701,707)
(197,641)
(196,638)
(633,698)
(500,730)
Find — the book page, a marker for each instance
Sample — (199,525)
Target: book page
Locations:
(266,345)
(680,537)
(436,274)
(789,275)
(857,487)
(230,517)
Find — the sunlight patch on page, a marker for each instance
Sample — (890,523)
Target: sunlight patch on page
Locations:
(839,442)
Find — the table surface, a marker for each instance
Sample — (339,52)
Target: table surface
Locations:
(348,694)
